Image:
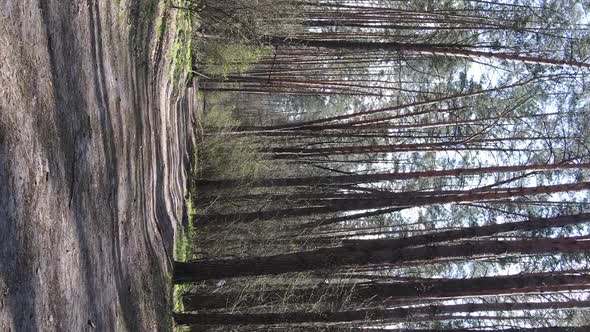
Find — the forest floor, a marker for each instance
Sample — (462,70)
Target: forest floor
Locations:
(94,151)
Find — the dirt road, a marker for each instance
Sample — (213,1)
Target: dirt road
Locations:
(92,166)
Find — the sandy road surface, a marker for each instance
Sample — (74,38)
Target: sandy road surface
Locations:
(92,166)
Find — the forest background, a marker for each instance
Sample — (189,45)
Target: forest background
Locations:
(368,165)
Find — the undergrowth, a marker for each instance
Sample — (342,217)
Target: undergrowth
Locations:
(223,154)
(180,63)
(222,60)
(180,53)
(184,250)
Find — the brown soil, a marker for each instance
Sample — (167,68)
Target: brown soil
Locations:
(92,166)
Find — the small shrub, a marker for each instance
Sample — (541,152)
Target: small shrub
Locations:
(221,154)
(220,119)
(224,60)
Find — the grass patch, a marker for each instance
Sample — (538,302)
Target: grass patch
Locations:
(184,251)
(183,248)
(180,53)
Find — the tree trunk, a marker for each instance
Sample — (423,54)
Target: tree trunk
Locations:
(369,178)
(431,49)
(308,124)
(363,315)
(469,232)
(396,293)
(330,258)
(401,200)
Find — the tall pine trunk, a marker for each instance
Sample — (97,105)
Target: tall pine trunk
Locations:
(376,177)
(396,293)
(363,315)
(447,50)
(331,258)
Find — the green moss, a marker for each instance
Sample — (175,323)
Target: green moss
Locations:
(180,53)
(160,26)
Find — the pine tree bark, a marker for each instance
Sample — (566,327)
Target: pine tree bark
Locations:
(397,293)
(469,232)
(363,315)
(428,49)
(391,200)
(376,177)
(331,258)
